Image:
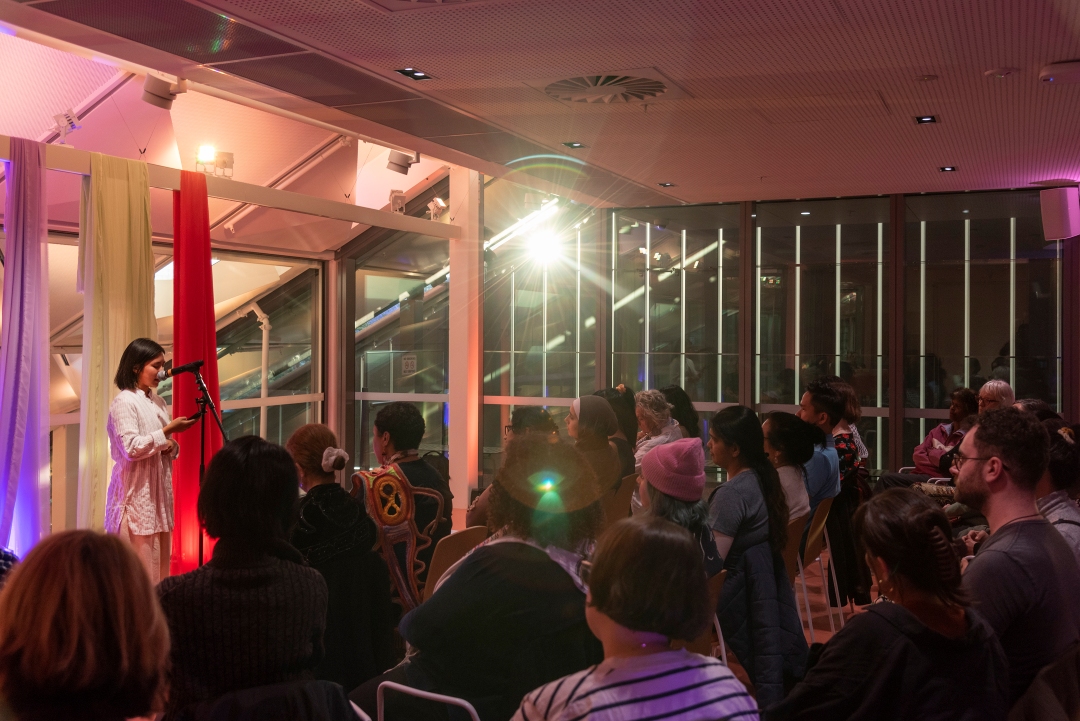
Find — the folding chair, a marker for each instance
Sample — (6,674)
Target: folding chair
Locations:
(791,553)
(703,644)
(438,697)
(617,505)
(449,551)
(812,552)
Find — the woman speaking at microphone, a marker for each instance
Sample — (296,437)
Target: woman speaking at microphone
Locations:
(140,501)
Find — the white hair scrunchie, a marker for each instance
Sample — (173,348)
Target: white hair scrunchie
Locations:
(330,456)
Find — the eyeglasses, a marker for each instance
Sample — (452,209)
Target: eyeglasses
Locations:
(507,429)
(959,458)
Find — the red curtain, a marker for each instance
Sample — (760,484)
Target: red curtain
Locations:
(194,338)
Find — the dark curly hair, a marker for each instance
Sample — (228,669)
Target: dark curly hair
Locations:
(793,437)
(1018,439)
(1064,463)
(404,424)
(527,456)
(648,575)
(912,535)
(829,399)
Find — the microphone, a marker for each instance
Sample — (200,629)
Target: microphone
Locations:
(186,368)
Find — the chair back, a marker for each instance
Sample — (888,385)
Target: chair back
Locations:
(1054,694)
(427,695)
(449,551)
(791,550)
(288,701)
(815,539)
(703,644)
(391,503)
(617,505)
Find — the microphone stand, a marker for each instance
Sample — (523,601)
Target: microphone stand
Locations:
(205,402)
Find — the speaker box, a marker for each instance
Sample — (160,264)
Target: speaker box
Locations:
(1060,213)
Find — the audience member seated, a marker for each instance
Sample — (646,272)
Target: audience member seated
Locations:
(852,412)
(646,587)
(749,518)
(671,484)
(1060,482)
(682,410)
(398,429)
(590,423)
(920,654)
(254,614)
(1038,408)
(822,470)
(657,428)
(994,394)
(1024,578)
(932,457)
(524,420)
(82,636)
(622,402)
(511,617)
(336,537)
(790,443)
(824,404)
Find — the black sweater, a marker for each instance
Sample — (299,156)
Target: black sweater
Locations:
(244,619)
(885,664)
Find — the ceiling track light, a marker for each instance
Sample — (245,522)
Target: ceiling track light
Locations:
(666,185)
(924,119)
(947,169)
(401,162)
(574,145)
(414,74)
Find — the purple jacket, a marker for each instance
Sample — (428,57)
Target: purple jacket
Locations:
(937,443)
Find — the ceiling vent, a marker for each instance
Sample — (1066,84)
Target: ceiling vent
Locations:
(640,86)
(606,89)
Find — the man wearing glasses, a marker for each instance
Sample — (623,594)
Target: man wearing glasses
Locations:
(1024,579)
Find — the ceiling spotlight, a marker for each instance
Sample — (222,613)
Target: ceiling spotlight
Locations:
(213,161)
(436,208)
(66,122)
(805,212)
(967,211)
(924,119)
(414,74)
(947,168)
(574,145)
(397,202)
(544,248)
(666,185)
(161,93)
(926,78)
(400,162)
(206,154)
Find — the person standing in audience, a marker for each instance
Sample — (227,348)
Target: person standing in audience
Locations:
(524,420)
(682,410)
(591,422)
(938,444)
(1024,578)
(335,536)
(398,429)
(824,404)
(646,588)
(622,402)
(749,518)
(671,484)
(82,635)
(790,443)
(1053,494)
(511,617)
(922,653)
(254,614)
(995,394)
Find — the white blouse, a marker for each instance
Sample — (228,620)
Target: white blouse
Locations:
(140,490)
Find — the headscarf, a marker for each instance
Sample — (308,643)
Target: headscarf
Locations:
(596,419)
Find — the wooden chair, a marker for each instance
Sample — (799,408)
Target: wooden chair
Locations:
(703,644)
(815,539)
(449,551)
(617,505)
(791,551)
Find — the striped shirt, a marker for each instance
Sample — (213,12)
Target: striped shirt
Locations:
(672,685)
(140,490)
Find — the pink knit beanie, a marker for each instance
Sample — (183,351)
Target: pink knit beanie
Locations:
(677,469)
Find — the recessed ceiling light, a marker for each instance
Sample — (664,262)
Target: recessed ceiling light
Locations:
(753,215)
(966,211)
(573,144)
(1000,73)
(805,212)
(923,119)
(926,78)
(666,185)
(947,168)
(414,74)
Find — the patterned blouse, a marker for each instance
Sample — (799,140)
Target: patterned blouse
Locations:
(140,489)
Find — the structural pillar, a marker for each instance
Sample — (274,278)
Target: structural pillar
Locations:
(340,345)
(466,332)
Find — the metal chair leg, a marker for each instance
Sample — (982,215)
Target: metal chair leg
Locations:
(806,600)
(832,569)
(720,635)
(825,588)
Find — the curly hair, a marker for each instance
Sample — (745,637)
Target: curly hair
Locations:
(912,535)
(1064,462)
(519,508)
(1018,438)
(654,405)
(828,398)
(648,575)
(403,422)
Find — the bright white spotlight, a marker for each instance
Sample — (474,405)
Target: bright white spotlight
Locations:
(544,248)
(207,154)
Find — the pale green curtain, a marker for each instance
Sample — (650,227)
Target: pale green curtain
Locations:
(116,276)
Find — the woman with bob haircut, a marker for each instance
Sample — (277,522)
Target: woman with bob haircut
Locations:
(139,505)
(82,636)
(790,443)
(254,614)
(510,616)
(922,653)
(646,588)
